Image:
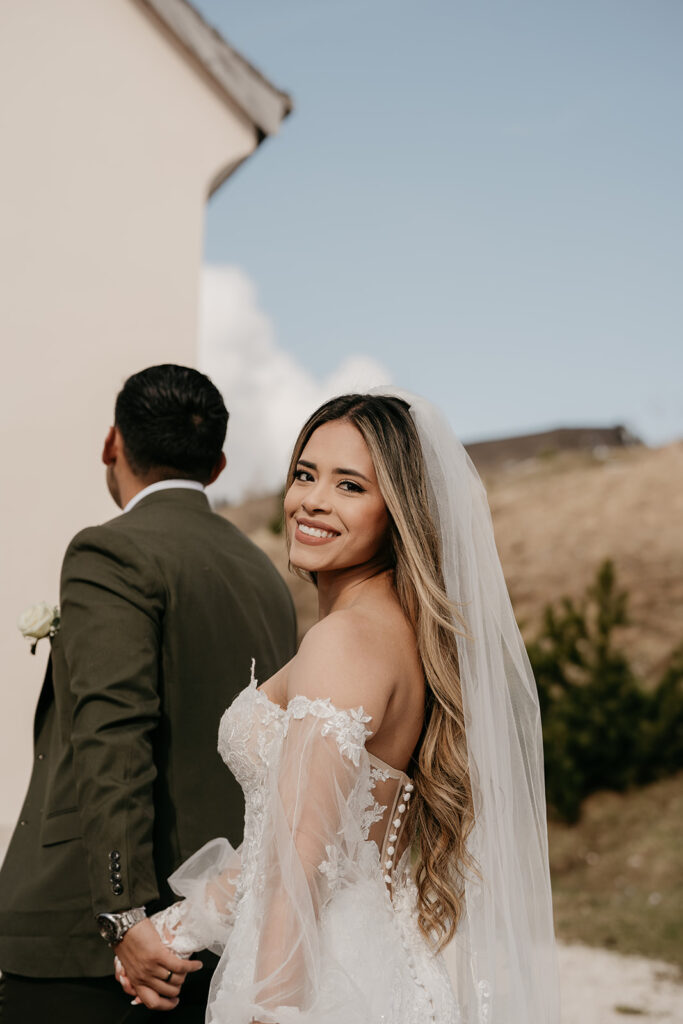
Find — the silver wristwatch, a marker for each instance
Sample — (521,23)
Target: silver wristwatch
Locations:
(114,926)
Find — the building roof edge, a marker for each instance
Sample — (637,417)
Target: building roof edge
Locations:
(262,103)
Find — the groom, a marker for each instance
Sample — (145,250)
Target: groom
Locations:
(162,610)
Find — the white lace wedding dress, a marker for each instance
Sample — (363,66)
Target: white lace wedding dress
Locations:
(314,917)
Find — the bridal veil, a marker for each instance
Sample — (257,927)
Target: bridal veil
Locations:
(502,959)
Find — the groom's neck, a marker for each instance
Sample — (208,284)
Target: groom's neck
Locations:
(126,488)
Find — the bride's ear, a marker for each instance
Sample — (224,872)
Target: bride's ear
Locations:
(218,469)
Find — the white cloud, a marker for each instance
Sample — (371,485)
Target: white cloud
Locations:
(267,392)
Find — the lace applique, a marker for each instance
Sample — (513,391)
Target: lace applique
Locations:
(370,816)
(271,712)
(268,738)
(347,726)
(331,867)
(372,811)
(169,925)
(378,774)
(484,1001)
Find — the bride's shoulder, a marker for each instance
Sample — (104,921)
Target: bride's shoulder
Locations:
(340,659)
(338,630)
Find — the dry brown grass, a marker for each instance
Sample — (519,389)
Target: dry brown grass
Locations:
(618,875)
(556,520)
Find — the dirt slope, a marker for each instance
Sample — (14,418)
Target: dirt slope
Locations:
(555,523)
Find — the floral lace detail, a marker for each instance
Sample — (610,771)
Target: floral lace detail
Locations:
(378,774)
(331,866)
(372,811)
(268,738)
(271,712)
(370,816)
(187,926)
(484,1001)
(348,726)
(172,928)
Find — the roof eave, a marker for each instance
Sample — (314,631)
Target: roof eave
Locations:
(258,99)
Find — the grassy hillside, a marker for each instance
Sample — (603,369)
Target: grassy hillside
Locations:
(618,875)
(557,519)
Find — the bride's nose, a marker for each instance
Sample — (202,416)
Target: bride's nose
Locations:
(317,499)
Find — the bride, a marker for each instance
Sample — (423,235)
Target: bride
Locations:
(394,865)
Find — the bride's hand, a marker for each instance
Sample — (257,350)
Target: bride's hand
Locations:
(124,981)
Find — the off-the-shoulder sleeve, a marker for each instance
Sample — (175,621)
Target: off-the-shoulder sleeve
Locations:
(312,831)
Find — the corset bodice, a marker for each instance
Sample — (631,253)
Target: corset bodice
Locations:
(250,738)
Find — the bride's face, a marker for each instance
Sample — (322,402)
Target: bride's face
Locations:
(334,512)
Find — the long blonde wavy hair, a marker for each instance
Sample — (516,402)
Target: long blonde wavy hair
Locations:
(441,814)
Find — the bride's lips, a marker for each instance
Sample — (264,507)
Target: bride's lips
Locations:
(329,533)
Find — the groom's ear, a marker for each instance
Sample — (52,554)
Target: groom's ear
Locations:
(218,469)
(110,450)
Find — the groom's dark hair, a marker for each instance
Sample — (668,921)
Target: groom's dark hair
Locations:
(173,422)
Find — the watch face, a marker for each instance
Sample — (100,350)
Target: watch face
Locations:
(108,928)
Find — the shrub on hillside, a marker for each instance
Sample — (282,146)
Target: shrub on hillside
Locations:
(601,728)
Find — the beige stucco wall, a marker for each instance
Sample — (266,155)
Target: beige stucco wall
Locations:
(110,139)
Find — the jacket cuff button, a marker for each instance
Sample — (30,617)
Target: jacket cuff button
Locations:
(117,889)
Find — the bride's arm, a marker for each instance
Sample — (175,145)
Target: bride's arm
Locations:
(338,690)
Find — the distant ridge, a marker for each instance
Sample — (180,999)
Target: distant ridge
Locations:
(528,446)
(259,510)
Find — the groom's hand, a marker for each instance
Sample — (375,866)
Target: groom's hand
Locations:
(147,962)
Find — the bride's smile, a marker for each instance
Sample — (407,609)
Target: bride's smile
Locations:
(311,532)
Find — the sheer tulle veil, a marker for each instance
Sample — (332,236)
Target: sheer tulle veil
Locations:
(502,960)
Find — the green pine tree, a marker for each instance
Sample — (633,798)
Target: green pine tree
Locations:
(601,729)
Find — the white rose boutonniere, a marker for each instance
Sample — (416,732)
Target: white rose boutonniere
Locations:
(38,621)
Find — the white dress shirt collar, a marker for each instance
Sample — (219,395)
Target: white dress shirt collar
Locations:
(163,485)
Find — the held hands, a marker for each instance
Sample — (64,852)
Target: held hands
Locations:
(148,970)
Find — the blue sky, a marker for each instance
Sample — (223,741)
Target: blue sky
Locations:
(483,197)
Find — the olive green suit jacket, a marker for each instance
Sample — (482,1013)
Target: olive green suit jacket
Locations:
(162,609)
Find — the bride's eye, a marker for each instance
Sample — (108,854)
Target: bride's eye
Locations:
(351,485)
(302,475)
